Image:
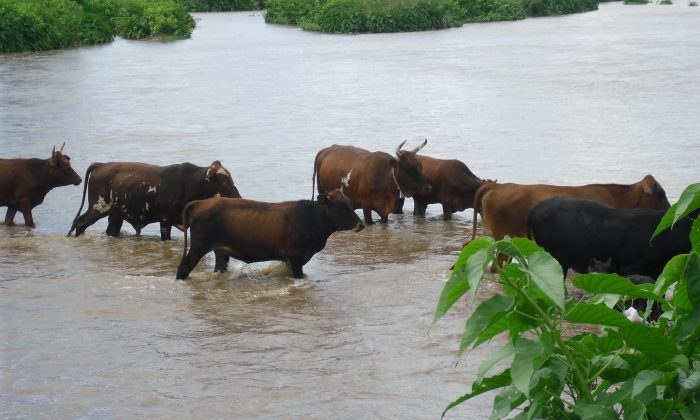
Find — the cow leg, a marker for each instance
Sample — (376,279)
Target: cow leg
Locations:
(221,261)
(446,212)
(399,206)
(367,212)
(165,229)
(384,218)
(189,262)
(419,206)
(86,220)
(114,225)
(296,266)
(26,210)
(10,216)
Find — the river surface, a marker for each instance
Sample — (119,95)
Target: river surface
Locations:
(97,327)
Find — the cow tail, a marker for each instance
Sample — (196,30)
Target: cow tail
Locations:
(477,204)
(186,214)
(82,201)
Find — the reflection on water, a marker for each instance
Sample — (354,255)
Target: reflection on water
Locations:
(98,326)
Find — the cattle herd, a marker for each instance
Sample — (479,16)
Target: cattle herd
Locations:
(602,227)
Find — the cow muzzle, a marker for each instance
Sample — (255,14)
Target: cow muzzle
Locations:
(359,227)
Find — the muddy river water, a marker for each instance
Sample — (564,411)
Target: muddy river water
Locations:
(97,327)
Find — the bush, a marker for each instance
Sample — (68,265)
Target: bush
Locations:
(288,12)
(354,16)
(35,25)
(221,5)
(138,19)
(636,1)
(625,369)
(492,10)
(558,7)
(39,25)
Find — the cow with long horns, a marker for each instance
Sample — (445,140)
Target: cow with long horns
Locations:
(25,182)
(141,194)
(372,180)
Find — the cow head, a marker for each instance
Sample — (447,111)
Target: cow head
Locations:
(60,170)
(220,179)
(653,195)
(407,171)
(339,211)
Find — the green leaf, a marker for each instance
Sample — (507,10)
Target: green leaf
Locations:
(616,285)
(461,278)
(488,384)
(529,355)
(506,401)
(633,409)
(650,341)
(504,354)
(688,201)
(587,313)
(649,378)
(690,382)
(695,235)
(493,330)
(616,370)
(598,412)
(486,314)
(547,274)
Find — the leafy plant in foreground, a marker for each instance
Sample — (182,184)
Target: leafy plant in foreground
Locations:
(547,370)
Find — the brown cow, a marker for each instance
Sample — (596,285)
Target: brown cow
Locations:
(453,186)
(141,194)
(372,180)
(253,231)
(505,207)
(25,182)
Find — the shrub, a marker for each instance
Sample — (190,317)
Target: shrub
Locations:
(558,7)
(288,12)
(38,24)
(96,25)
(634,370)
(492,10)
(636,1)
(221,5)
(139,19)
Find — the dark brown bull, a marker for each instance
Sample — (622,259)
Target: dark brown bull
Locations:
(254,231)
(25,182)
(453,186)
(372,180)
(505,207)
(141,194)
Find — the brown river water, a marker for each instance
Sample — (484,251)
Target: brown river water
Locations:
(98,327)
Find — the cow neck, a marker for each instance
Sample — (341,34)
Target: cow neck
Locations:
(393,174)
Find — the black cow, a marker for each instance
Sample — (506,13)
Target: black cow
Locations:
(25,182)
(577,231)
(253,231)
(141,194)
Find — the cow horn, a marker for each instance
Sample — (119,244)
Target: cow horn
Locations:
(398,149)
(62,146)
(53,152)
(420,147)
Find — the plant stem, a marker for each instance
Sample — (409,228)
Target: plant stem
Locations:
(580,378)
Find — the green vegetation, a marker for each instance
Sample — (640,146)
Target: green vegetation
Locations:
(35,25)
(221,5)
(636,1)
(615,367)
(357,16)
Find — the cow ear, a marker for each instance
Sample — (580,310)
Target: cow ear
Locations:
(651,188)
(323,198)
